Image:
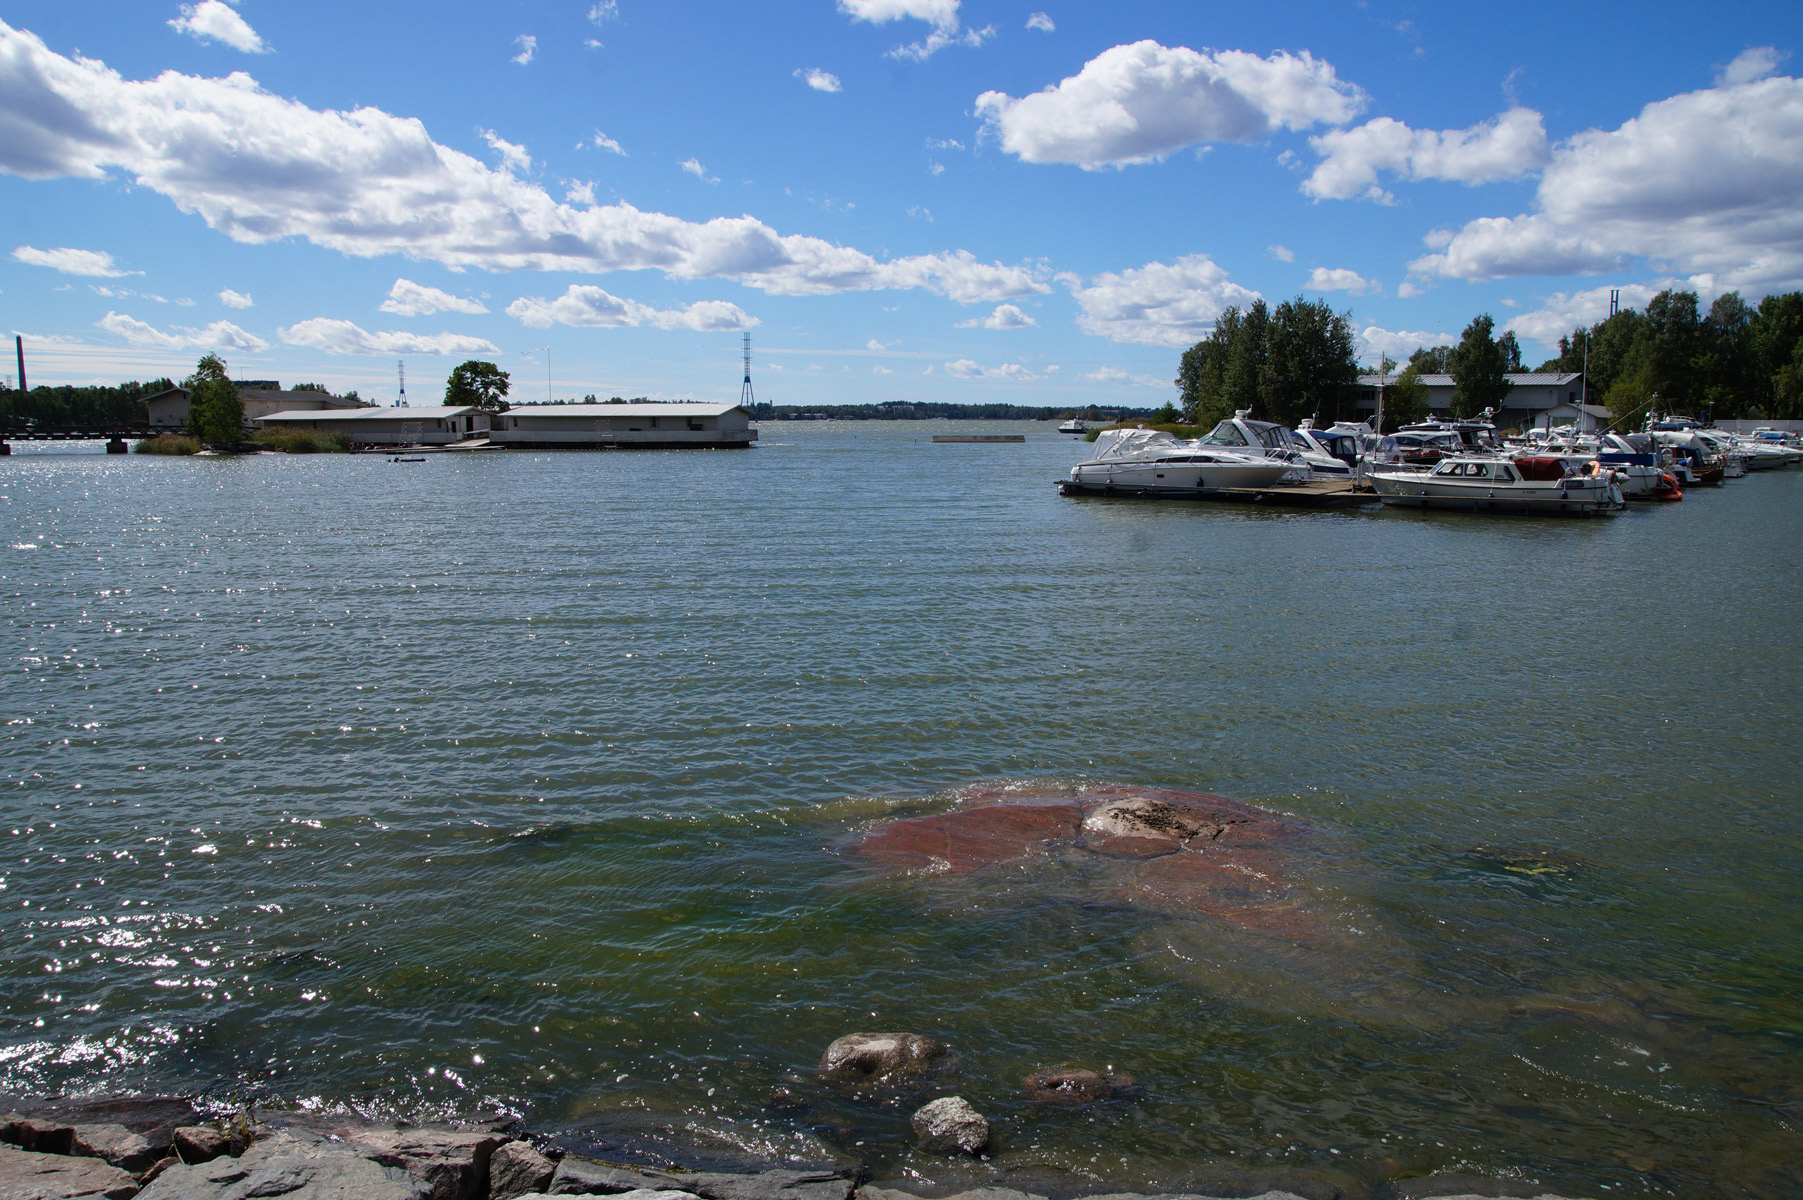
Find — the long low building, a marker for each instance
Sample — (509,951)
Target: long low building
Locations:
(1531,394)
(436,425)
(682,426)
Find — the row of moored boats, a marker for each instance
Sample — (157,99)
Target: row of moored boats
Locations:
(1439,464)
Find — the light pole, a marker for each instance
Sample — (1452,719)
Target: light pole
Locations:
(547,350)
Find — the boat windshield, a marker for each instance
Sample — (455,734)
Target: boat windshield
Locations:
(1225,434)
(1274,437)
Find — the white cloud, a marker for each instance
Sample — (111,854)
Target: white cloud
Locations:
(1338,279)
(588,306)
(925,214)
(260,168)
(1140,102)
(95,263)
(693,166)
(964,368)
(1281,253)
(220,335)
(604,11)
(1408,289)
(1751,64)
(1005,316)
(942,15)
(513,158)
(1700,183)
(232,299)
(1562,312)
(216,21)
(873,344)
(579,193)
(528,45)
(1398,345)
(342,337)
(603,142)
(409,299)
(1507,147)
(820,81)
(1040,22)
(1159,304)
(1125,378)
(881,371)
(939,39)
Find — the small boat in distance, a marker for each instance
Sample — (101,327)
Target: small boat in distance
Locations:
(1074,425)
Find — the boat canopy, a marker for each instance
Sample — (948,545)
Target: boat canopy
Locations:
(1541,469)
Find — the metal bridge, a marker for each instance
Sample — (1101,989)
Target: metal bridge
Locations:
(115,434)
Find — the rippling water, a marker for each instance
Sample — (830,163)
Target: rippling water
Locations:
(521,779)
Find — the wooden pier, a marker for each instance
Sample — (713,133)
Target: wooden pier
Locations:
(1318,493)
(979,437)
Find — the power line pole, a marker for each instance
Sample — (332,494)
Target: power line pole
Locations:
(746,397)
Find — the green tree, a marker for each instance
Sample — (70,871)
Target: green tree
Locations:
(1478,365)
(1166,415)
(215,413)
(477,384)
(1405,398)
(1431,360)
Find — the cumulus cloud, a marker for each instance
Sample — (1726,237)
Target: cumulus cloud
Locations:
(1562,312)
(513,157)
(1159,304)
(528,45)
(409,299)
(1141,102)
(1281,253)
(1701,183)
(604,11)
(220,335)
(1750,65)
(588,306)
(260,168)
(1338,279)
(603,142)
(96,263)
(1377,343)
(964,368)
(942,15)
(1005,316)
(693,167)
(342,337)
(232,299)
(215,20)
(820,81)
(1125,378)
(1507,147)
(1040,22)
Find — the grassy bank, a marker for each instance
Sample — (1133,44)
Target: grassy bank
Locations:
(301,441)
(169,443)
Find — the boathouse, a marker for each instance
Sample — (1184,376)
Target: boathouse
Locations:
(437,425)
(169,409)
(679,426)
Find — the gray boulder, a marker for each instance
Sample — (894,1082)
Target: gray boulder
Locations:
(767,1185)
(36,1133)
(1073,1087)
(117,1145)
(868,1192)
(27,1175)
(452,1162)
(950,1124)
(580,1177)
(293,1165)
(880,1059)
(516,1169)
(201,1143)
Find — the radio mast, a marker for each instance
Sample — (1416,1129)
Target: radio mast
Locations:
(402,364)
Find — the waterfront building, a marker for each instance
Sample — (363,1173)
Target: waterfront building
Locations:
(437,425)
(261,397)
(1531,394)
(680,426)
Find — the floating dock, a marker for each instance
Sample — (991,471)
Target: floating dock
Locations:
(979,437)
(1319,493)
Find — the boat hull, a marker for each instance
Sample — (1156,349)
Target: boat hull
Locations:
(1179,476)
(1577,498)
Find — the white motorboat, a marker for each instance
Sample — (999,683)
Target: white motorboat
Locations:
(1330,455)
(1074,425)
(1493,483)
(1263,438)
(1152,462)
(1476,436)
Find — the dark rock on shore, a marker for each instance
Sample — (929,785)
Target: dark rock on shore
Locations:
(581,1177)
(33,1175)
(117,1145)
(516,1169)
(1465,1187)
(452,1163)
(1073,1087)
(293,1164)
(196,1144)
(884,1059)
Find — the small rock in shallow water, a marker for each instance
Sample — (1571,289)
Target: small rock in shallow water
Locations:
(859,1059)
(1072,1087)
(950,1123)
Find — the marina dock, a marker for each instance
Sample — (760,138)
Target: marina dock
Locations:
(1319,493)
(979,437)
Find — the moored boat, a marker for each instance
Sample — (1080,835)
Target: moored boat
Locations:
(1152,462)
(1493,483)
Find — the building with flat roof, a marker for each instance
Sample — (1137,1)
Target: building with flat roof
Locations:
(169,409)
(1531,393)
(681,426)
(437,425)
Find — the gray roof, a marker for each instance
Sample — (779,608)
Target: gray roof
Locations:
(436,412)
(291,397)
(1515,378)
(621,410)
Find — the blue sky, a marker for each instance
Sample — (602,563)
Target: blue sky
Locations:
(1038,203)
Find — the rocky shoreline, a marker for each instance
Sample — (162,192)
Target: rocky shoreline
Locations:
(165,1149)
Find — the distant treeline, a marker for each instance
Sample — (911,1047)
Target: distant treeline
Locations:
(938,411)
(65,405)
